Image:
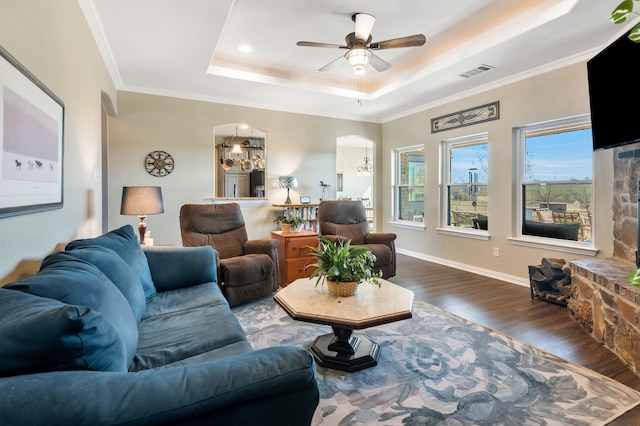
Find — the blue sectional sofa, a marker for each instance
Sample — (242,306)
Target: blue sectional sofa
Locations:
(109,333)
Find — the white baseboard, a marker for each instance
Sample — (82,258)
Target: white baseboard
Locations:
(469,268)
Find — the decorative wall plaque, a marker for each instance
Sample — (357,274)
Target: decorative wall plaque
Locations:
(159,163)
(466,117)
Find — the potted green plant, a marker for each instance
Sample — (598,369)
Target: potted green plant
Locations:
(342,266)
(291,222)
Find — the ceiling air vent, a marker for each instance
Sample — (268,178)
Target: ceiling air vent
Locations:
(482,68)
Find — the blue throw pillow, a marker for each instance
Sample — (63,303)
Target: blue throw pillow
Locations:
(40,334)
(117,270)
(124,242)
(75,282)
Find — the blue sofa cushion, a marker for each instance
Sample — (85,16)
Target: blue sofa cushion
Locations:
(177,267)
(185,325)
(124,242)
(117,270)
(40,334)
(76,282)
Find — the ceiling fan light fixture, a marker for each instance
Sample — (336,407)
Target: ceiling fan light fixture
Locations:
(359,59)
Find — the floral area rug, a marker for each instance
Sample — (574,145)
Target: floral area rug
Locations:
(439,369)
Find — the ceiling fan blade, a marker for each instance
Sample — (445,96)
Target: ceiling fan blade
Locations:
(364,24)
(331,64)
(314,44)
(409,41)
(378,63)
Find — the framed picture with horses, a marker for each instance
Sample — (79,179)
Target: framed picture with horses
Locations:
(31,141)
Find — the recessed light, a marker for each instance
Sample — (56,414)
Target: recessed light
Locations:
(245,48)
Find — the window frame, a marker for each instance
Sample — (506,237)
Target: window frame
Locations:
(446,147)
(562,125)
(396,155)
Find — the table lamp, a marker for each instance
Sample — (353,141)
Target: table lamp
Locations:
(141,201)
(288,182)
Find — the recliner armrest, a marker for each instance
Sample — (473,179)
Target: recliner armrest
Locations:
(379,237)
(263,246)
(268,247)
(334,238)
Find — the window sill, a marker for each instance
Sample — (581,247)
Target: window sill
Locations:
(476,234)
(551,244)
(417,226)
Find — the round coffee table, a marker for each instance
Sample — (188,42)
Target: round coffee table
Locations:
(343,349)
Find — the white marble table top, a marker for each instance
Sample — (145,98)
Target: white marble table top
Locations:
(371,306)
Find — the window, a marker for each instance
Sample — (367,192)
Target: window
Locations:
(466,176)
(409,184)
(556,179)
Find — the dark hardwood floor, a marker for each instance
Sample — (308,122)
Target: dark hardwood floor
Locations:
(508,308)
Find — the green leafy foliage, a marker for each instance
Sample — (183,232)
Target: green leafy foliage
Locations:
(342,262)
(634,278)
(620,15)
(293,219)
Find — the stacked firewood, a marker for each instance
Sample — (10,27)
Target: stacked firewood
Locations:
(550,281)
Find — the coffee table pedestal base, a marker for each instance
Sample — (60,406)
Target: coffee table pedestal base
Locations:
(345,351)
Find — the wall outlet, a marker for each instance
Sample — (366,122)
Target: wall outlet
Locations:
(496,251)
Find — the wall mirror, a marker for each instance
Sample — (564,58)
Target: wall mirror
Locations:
(240,161)
(354,167)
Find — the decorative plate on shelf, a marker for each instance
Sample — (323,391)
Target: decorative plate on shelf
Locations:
(159,163)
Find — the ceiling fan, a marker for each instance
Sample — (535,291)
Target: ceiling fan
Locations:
(360,47)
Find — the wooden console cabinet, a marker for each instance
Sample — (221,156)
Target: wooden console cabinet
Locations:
(293,254)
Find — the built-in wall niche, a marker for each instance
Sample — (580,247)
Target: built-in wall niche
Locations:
(240,162)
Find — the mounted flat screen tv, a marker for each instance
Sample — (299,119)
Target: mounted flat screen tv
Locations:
(613,92)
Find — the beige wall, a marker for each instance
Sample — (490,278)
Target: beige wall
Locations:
(558,94)
(300,145)
(52,40)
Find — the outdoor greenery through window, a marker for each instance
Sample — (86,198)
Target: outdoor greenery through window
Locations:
(409,184)
(466,175)
(556,179)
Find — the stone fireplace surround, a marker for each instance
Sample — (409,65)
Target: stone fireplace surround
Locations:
(602,301)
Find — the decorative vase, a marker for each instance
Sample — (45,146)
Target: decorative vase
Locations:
(285,227)
(342,289)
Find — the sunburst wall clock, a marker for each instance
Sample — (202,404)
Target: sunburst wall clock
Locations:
(159,163)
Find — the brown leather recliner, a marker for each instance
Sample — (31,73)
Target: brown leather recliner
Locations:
(247,269)
(348,220)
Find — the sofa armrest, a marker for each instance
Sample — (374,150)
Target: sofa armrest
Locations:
(276,384)
(176,267)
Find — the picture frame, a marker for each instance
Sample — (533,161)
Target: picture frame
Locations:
(305,199)
(31,142)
